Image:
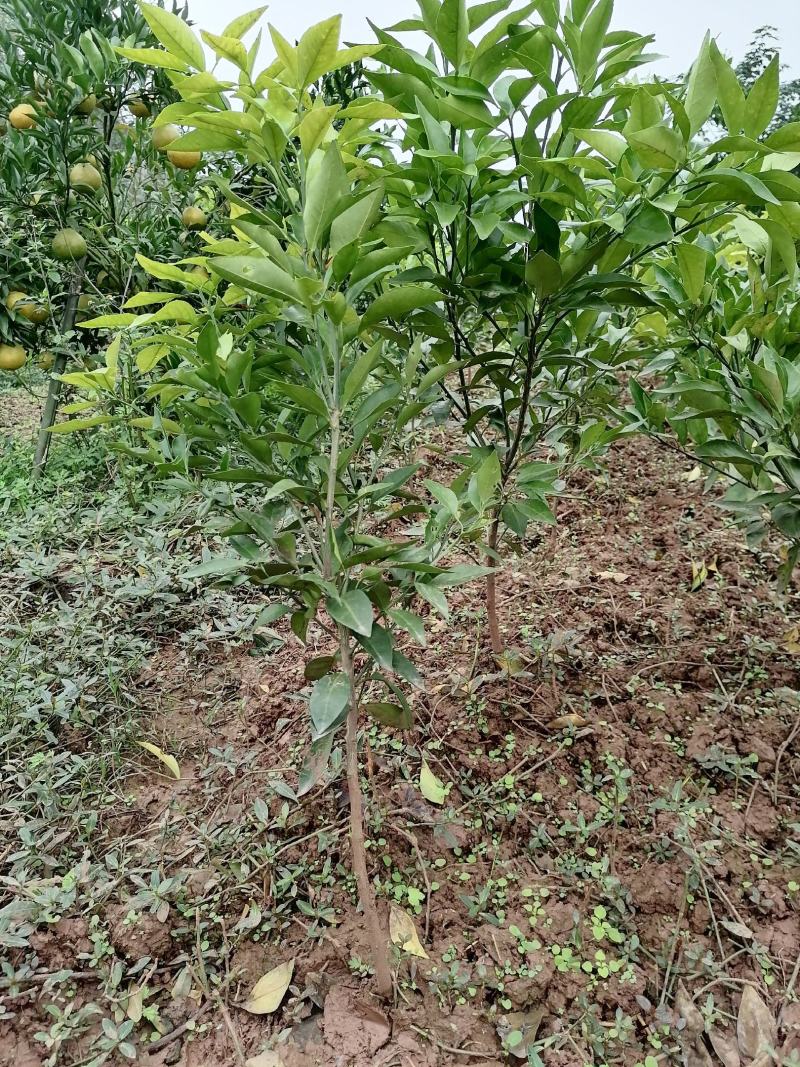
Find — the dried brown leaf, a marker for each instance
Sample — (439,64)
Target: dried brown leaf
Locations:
(404,934)
(565,722)
(684,1006)
(755,1027)
(269,991)
(725,1048)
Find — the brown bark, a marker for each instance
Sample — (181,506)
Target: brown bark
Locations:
(491,590)
(378,936)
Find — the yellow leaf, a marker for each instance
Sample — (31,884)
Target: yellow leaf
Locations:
(269,991)
(135,1004)
(404,934)
(693,474)
(169,761)
(430,786)
(791,641)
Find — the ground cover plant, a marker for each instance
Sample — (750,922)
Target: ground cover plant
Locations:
(383,682)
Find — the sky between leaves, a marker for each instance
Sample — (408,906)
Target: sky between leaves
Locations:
(679,25)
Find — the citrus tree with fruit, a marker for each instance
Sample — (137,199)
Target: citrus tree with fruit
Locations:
(85,183)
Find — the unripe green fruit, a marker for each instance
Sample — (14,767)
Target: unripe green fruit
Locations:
(12,357)
(87,105)
(68,244)
(85,178)
(193,218)
(165,135)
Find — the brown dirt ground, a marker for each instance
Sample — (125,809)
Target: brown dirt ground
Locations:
(691,856)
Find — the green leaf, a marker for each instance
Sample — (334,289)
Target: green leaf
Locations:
(355,221)
(152,57)
(353,610)
(397,303)
(389,714)
(608,144)
(216,567)
(317,51)
(72,425)
(108,322)
(302,396)
(411,623)
(484,482)
(318,667)
(701,91)
(257,275)
(659,147)
(452,30)
(729,91)
(543,273)
(175,35)
(649,227)
(762,100)
(435,597)
(230,48)
(168,273)
(693,264)
(360,371)
(326,183)
(315,126)
(242,23)
(445,496)
(430,786)
(785,139)
(329,701)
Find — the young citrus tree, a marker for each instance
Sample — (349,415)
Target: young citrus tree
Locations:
(82,183)
(271,376)
(730,385)
(536,178)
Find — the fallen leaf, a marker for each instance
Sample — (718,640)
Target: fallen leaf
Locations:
(692,475)
(697,1055)
(791,640)
(518,1031)
(566,722)
(182,986)
(613,576)
(403,933)
(685,1007)
(724,1046)
(135,1004)
(169,761)
(430,786)
(738,930)
(269,991)
(699,575)
(755,1027)
(264,1059)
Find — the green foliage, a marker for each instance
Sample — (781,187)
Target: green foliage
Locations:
(732,390)
(478,242)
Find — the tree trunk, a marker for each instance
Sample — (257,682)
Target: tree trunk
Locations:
(491,590)
(59,365)
(378,937)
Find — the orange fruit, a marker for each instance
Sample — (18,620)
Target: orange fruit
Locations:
(23,117)
(184,160)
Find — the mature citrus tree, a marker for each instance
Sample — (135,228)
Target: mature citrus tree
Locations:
(83,185)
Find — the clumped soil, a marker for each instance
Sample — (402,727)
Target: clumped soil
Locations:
(621,817)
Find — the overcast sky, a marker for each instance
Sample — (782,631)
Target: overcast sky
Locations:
(679,25)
